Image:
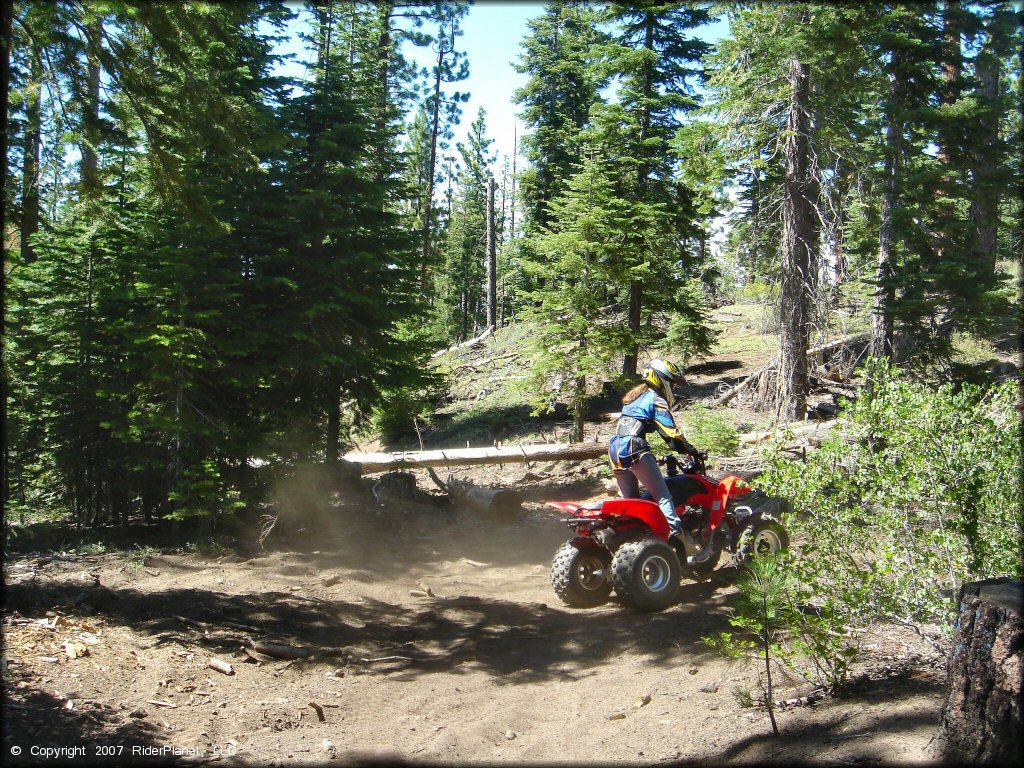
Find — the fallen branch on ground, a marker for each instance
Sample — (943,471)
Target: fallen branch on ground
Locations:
(471,342)
(221,666)
(752,438)
(281,651)
(819,351)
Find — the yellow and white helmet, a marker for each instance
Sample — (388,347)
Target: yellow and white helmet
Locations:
(660,376)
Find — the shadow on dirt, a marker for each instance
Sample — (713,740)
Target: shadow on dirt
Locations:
(35,721)
(711,367)
(796,739)
(510,640)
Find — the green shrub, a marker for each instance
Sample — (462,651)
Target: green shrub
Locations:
(394,420)
(919,493)
(202,492)
(710,431)
(757,292)
(775,623)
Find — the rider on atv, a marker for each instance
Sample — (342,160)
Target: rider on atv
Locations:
(646,408)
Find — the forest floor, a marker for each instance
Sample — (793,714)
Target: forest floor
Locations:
(433,637)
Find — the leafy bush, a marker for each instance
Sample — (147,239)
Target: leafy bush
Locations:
(202,492)
(710,431)
(757,292)
(918,494)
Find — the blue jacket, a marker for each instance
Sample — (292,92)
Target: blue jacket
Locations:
(647,413)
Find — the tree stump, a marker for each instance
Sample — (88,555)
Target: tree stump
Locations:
(981,720)
(502,502)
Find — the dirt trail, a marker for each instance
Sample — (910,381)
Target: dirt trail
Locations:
(435,640)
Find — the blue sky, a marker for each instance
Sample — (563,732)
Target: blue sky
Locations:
(492,33)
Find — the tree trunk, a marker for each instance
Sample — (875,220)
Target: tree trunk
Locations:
(333,441)
(30,164)
(952,66)
(6,30)
(981,721)
(512,206)
(797,237)
(755,224)
(90,174)
(634,318)
(839,229)
(384,10)
(435,126)
(492,258)
(885,291)
(984,209)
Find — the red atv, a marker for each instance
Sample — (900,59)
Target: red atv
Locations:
(625,543)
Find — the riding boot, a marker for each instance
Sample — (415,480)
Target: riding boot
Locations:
(703,555)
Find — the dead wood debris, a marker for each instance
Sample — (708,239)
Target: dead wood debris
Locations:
(221,666)
(818,353)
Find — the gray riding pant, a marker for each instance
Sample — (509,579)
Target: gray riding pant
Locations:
(646,471)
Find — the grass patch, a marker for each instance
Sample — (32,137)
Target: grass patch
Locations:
(969,349)
(139,554)
(747,344)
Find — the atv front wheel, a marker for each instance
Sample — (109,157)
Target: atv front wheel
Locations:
(765,537)
(646,574)
(579,573)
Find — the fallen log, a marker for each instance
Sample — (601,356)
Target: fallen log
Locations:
(462,457)
(846,341)
(728,395)
(501,501)
(753,438)
(221,666)
(280,651)
(470,343)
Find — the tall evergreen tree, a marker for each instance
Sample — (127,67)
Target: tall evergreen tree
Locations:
(558,56)
(462,289)
(451,67)
(348,257)
(655,60)
(583,254)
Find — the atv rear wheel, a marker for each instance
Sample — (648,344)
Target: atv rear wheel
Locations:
(579,573)
(767,536)
(645,574)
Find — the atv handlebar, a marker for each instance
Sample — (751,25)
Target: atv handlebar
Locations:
(697,463)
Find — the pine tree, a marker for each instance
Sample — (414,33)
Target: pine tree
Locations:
(347,257)
(451,67)
(655,61)
(462,286)
(583,256)
(141,300)
(559,56)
